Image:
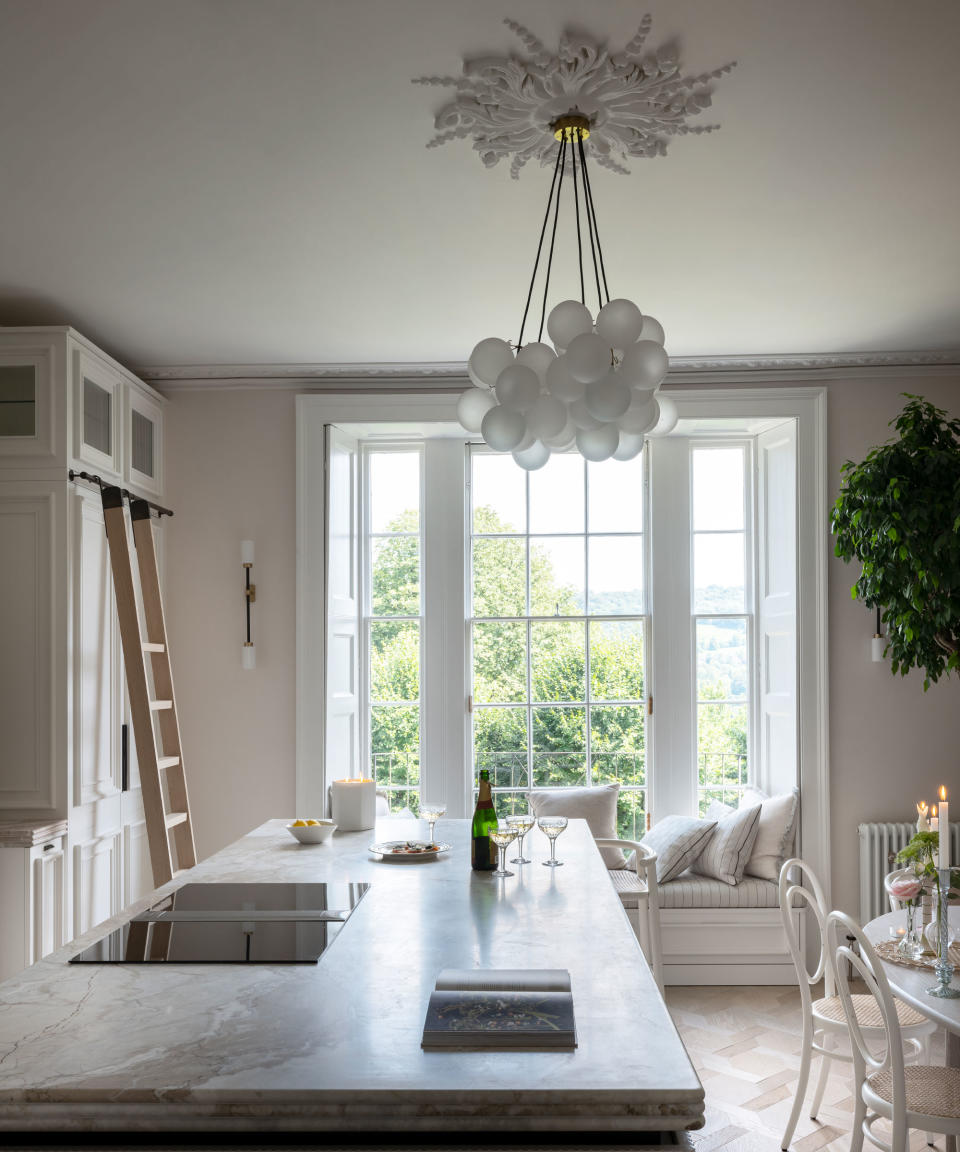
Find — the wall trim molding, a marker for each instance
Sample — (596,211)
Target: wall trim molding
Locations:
(452,376)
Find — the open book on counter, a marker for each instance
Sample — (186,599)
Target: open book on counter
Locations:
(501,1008)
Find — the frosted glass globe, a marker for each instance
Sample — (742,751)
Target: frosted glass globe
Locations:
(503,428)
(629,447)
(489,359)
(568,320)
(527,441)
(644,364)
(547,416)
(539,357)
(581,417)
(598,443)
(588,358)
(619,323)
(533,457)
(608,399)
(472,407)
(652,330)
(561,384)
(518,387)
(475,379)
(668,417)
(642,415)
(564,438)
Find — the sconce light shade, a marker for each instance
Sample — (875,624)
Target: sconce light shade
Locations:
(248,657)
(246,551)
(877,645)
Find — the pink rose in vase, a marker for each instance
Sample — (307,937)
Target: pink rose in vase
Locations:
(905,889)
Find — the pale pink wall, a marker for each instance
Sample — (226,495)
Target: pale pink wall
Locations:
(231,467)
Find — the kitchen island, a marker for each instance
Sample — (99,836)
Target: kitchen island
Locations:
(336,1045)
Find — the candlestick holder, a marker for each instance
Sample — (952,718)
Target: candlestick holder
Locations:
(943,967)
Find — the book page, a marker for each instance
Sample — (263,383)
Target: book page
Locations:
(503,980)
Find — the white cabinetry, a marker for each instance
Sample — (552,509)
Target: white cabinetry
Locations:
(65,404)
(32,892)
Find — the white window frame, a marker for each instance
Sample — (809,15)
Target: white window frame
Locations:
(408,414)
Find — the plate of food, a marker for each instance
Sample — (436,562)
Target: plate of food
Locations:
(406,851)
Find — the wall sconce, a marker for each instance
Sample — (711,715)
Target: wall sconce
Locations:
(248,654)
(879,641)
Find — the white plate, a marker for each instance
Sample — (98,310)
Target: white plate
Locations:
(384,850)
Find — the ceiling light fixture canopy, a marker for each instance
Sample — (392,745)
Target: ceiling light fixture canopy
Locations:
(596,384)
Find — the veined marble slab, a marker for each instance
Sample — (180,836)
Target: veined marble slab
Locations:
(336,1045)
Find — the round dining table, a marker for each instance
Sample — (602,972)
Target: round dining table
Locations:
(910,985)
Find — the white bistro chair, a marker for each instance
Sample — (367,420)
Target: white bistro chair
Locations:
(640,882)
(917,1096)
(824,1019)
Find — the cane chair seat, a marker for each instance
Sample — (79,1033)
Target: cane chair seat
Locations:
(868,1013)
(931,1090)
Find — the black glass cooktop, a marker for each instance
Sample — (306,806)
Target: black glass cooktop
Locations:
(232,924)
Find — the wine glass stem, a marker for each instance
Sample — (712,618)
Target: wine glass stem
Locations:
(431,823)
(520,853)
(503,858)
(553,848)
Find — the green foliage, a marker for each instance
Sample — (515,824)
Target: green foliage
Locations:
(558,679)
(898,514)
(920,854)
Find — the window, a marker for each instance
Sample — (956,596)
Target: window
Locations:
(392,624)
(557,628)
(723,620)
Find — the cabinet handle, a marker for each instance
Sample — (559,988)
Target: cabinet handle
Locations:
(124,759)
(48,847)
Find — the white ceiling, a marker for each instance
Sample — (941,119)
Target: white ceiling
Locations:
(245,181)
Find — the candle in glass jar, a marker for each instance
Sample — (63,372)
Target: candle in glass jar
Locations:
(944,829)
(353,804)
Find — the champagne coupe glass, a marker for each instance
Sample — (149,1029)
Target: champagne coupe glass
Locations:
(503,835)
(431,813)
(523,824)
(551,827)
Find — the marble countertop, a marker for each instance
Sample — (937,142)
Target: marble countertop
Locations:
(337,1044)
(28,833)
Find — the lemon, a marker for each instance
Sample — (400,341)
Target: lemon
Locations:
(313,821)
(299,824)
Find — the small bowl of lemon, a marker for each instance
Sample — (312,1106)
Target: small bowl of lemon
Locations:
(311,831)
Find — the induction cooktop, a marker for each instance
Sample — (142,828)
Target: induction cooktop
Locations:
(232,924)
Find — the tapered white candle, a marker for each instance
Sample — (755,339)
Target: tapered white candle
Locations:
(944,829)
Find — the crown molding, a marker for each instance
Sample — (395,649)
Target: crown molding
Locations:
(452,376)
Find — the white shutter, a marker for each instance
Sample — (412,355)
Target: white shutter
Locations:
(343,601)
(777,607)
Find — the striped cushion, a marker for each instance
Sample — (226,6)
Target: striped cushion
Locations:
(677,841)
(690,891)
(729,846)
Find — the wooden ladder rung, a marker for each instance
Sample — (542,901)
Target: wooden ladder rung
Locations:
(147,647)
(160,705)
(172,819)
(167,761)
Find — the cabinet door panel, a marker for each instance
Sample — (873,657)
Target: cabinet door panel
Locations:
(96,659)
(96,880)
(137,870)
(143,442)
(48,893)
(97,420)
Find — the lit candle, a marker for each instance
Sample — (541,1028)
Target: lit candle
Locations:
(923,824)
(934,826)
(353,804)
(944,829)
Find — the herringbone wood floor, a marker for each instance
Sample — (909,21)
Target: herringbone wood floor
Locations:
(745,1045)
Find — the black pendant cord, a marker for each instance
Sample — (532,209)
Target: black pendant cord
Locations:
(593,214)
(536,263)
(576,205)
(553,236)
(593,247)
(879,633)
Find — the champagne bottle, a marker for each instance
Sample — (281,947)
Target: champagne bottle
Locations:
(483,854)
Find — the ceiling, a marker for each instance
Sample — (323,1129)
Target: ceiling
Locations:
(246,181)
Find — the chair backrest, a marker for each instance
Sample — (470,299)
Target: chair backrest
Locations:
(854,957)
(799,886)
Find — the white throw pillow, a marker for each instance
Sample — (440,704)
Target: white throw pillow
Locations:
(677,841)
(598,806)
(730,845)
(775,835)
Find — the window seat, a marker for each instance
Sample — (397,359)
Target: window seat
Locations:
(715,933)
(690,890)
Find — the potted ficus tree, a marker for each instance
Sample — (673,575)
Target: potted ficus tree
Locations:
(898,513)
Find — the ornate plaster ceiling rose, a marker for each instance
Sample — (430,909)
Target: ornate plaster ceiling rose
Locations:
(635,100)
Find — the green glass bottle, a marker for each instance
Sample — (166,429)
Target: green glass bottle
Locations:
(483,854)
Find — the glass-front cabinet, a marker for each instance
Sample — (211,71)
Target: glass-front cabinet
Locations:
(143,455)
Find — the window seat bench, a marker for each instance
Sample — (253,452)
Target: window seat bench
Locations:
(716,933)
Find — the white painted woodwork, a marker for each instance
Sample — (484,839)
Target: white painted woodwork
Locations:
(725,946)
(777,607)
(62,694)
(150,414)
(137,873)
(343,598)
(32,896)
